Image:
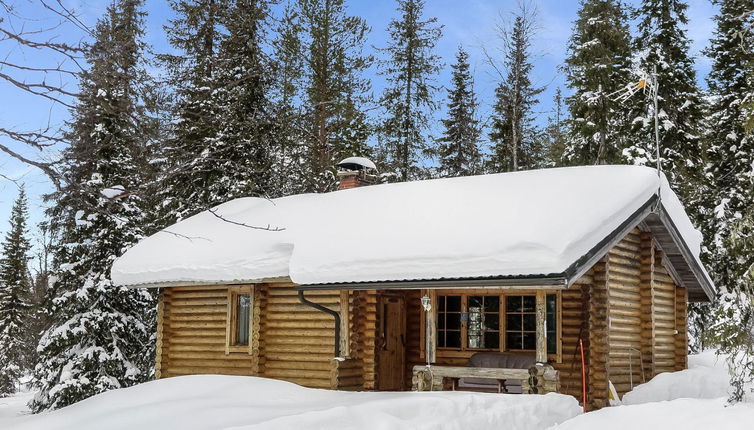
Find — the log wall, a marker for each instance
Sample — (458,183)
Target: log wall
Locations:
(193,334)
(574,310)
(599,347)
(364,334)
(298,341)
(624,318)
(647,314)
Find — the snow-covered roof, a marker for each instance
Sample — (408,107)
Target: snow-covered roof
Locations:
(514,225)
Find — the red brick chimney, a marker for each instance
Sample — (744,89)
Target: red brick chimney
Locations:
(352,173)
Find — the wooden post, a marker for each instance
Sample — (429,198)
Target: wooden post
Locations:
(431,329)
(345,324)
(541,356)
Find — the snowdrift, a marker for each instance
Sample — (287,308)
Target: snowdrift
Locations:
(248,403)
(706,378)
(686,414)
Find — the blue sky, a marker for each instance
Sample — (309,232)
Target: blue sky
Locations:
(470,23)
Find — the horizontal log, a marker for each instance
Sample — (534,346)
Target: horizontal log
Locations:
(297,373)
(178,362)
(174,370)
(476,372)
(299,365)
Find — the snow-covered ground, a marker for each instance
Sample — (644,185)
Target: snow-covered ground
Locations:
(224,402)
(691,399)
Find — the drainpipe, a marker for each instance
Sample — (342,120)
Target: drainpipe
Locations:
(335,315)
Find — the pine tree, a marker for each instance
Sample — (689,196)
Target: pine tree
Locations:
(334,125)
(15,298)
(662,45)
(516,144)
(731,148)
(409,98)
(458,148)
(99,337)
(190,171)
(597,65)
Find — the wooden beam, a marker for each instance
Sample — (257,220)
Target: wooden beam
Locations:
(541,329)
(431,329)
(345,324)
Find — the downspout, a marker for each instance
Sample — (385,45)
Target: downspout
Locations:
(335,315)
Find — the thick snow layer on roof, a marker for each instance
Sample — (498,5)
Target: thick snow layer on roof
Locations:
(214,402)
(513,224)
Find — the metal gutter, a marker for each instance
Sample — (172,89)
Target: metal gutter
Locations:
(334,314)
(538,282)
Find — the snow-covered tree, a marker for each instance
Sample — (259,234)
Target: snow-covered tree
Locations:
(662,45)
(516,144)
(99,338)
(189,170)
(410,69)
(730,166)
(597,65)
(241,161)
(290,170)
(15,298)
(555,132)
(334,124)
(458,149)
(731,329)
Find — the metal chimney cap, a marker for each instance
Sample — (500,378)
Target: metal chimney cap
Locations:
(356,163)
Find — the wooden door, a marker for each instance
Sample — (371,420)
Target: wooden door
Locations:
(392,348)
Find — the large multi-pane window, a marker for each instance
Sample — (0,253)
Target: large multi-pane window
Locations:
(494,322)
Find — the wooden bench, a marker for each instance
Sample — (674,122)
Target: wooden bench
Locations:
(537,379)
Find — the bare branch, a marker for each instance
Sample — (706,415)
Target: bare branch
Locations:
(268,228)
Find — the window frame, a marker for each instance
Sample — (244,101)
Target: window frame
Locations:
(556,357)
(231,322)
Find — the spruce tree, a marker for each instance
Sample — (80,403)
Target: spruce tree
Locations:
(555,138)
(289,172)
(99,338)
(516,144)
(240,162)
(15,298)
(409,98)
(731,148)
(190,170)
(334,125)
(458,148)
(662,46)
(597,65)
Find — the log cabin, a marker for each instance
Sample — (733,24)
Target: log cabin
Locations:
(574,280)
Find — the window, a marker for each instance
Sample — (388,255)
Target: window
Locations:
(449,321)
(521,323)
(484,322)
(552,323)
(240,309)
(503,322)
(243,311)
